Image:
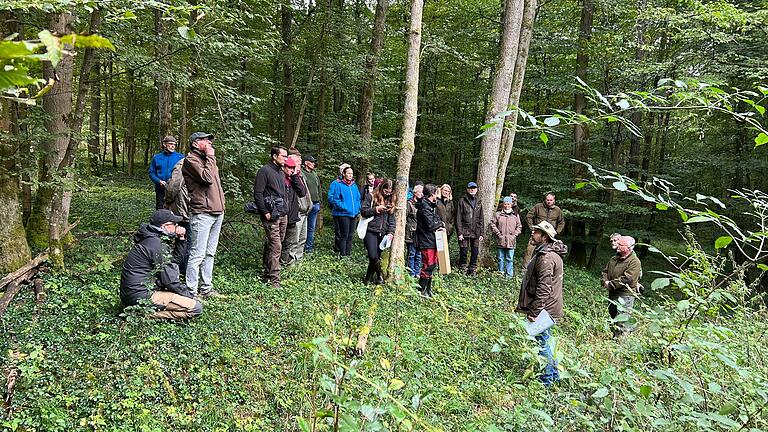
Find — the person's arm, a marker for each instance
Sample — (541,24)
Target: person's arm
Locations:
(153,171)
(529,217)
(604,276)
(333,199)
(560,223)
(201,170)
(518,226)
(494,225)
(298,186)
(434,222)
(259,185)
(459,223)
(391,223)
(368,209)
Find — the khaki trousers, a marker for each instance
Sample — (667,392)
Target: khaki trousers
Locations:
(175,306)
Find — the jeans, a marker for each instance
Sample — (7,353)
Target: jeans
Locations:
(345,230)
(550,375)
(311,225)
(506,255)
(204,232)
(414,260)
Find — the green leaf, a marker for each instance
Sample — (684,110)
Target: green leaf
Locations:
(551,121)
(623,104)
(52,46)
(645,390)
(580,185)
(660,283)
(727,409)
(620,186)
(600,393)
(725,421)
(683,305)
(761,139)
(129,15)
(544,138)
(496,348)
(762,267)
(396,384)
(723,241)
(662,206)
(186,33)
(14,78)
(87,41)
(699,218)
(12,50)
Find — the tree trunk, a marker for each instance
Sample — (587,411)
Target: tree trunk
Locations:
(130,121)
(285,52)
(164,96)
(369,86)
(112,130)
(14,249)
(521,62)
(57,104)
(578,253)
(94,122)
(397,256)
(637,116)
(322,103)
(490,146)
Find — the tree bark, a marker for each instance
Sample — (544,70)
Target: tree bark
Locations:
(94,131)
(130,121)
(164,96)
(397,256)
(112,130)
(521,62)
(285,53)
(637,116)
(369,86)
(490,146)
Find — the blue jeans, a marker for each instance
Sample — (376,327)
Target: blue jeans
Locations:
(414,260)
(506,255)
(203,240)
(550,375)
(311,224)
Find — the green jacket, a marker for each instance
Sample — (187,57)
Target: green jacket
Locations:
(541,212)
(623,275)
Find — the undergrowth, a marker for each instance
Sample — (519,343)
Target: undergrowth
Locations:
(264,359)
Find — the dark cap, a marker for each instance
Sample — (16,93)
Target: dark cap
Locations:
(162,216)
(290,163)
(198,135)
(169,139)
(471,185)
(310,158)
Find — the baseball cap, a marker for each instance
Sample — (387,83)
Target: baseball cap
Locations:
(546,228)
(197,135)
(290,163)
(471,185)
(507,200)
(162,216)
(309,158)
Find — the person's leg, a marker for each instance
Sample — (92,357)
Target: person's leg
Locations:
(291,238)
(372,251)
(271,257)
(613,312)
(550,375)
(337,234)
(185,255)
(474,250)
(510,270)
(174,306)
(417,262)
(351,233)
(463,249)
(428,264)
(199,229)
(301,233)
(410,259)
(206,272)
(629,302)
(344,232)
(501,255)
(311,224)
(159,197)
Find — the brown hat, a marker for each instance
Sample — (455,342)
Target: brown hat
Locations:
(169,139)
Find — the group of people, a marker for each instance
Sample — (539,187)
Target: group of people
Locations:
(182,235)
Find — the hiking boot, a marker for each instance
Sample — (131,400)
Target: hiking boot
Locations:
(211,294)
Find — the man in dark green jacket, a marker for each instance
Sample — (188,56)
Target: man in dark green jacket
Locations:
(621,277)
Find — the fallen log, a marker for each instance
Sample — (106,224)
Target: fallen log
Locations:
(13,289)
(23,274)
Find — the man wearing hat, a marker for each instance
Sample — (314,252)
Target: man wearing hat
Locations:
(542,289)
(206,212)
(469,227)
(314,188)
(151,273)
(161,166)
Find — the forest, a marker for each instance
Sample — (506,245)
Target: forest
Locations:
(643,117)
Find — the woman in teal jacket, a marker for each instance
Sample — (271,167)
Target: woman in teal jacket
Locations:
(344,200)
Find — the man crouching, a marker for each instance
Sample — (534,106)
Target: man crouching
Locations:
(151,270)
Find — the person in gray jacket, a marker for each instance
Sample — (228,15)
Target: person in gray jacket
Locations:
(506,226)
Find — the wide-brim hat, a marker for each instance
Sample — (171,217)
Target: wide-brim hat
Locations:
(546,228)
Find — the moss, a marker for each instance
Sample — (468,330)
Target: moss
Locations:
(14,250)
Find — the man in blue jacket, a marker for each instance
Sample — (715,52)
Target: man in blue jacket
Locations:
(161,167)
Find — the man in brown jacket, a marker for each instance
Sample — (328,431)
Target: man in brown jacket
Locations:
(206,212)
(543,211)
(621,277)
(542,288)
(469,227)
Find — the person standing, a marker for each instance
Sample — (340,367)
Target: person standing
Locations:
(542,288)
(206,208)
(381,206)
(160,168)
(151,273)
(507,226)
(621,277)
(314,188)
(367,188)
(428,223)
(445,208)
(411,222)
(292,248)
(177,201)
(469,227)
(344,199)
(543,211)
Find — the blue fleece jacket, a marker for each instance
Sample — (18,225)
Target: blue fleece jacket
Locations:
(162,165)
(344,199)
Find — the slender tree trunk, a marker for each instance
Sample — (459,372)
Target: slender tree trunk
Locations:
(637,116)
(521,62)
(369,86)
(112,130)
(397,255)
(164,96)
(130,121)
(184,127)
(490,146)
(93,122)
(285,52)
(322,103)
(578,253)
(14,249)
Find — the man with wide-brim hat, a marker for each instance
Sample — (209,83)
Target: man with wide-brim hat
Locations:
(161,167)
(542,289)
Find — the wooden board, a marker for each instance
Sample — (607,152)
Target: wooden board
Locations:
(443,253)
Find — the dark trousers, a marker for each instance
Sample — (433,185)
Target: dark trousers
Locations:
(371,243)
(185,256)
(469,244)
(274,233)
(344,227)
(159,197)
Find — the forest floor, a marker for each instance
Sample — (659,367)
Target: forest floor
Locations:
(272,359)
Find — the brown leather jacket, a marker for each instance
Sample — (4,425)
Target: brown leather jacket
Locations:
(201,175)
(469,221)
(542,286)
